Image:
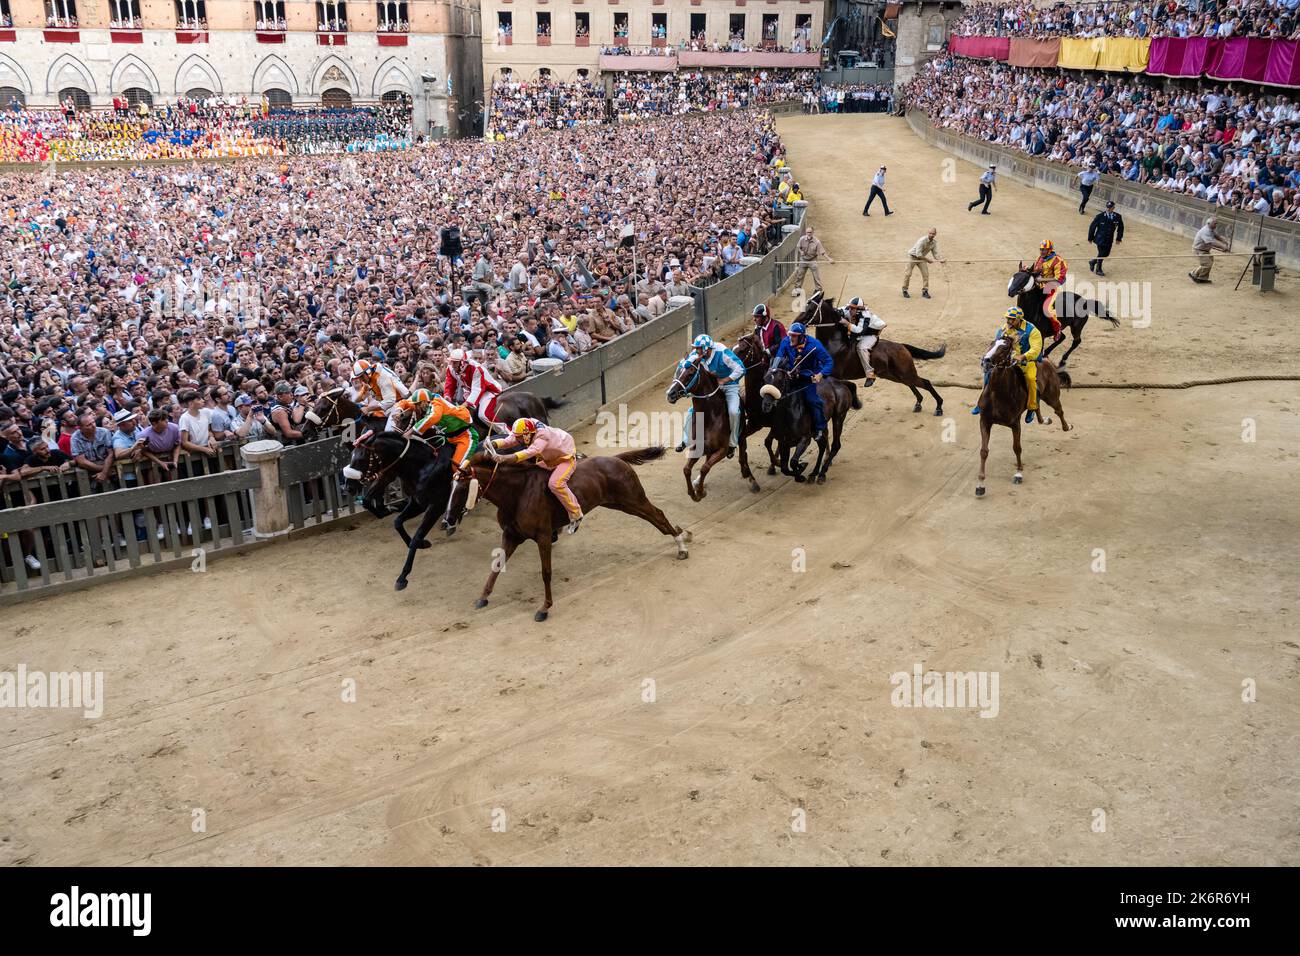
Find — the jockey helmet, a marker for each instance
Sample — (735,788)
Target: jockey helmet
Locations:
(456,355)
(855,303)
(702,342)
(1046,248)
(760,311)
(796,329)
(362,368)
(421,396)
(524,429)
(1015,313)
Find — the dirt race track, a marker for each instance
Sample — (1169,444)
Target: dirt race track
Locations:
(1120,705)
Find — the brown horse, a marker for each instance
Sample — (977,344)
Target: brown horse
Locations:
(526,509)
(757,361)
(1005,395)
(892,361)
(710,424)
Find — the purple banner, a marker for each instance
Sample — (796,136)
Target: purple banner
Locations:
(1241,58)
(984,48)
(1283,63)
(1182,56)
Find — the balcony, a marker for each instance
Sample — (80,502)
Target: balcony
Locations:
(582,41)
(620,41)
(270,36)
(8,36)
(329,38)
(191,36)
(125,35)
(658,41)
(543,40)
(389,38)
(505,39)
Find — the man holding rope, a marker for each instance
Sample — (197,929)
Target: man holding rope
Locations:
(919,258)
(1207,239)
(807,252)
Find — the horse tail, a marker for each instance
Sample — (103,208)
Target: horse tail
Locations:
(855,402)
(919,353)
(1103,313)
(1064,376)
(642,455)
(549,402)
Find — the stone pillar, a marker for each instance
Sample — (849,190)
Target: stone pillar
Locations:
(270,503)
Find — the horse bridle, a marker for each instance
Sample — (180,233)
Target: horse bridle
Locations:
(333,396)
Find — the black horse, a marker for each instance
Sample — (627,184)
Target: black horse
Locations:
(791,418)
(1072,311)
(424,469)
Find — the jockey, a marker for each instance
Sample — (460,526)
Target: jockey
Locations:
(554,450)
(435,415)
(768,332)
(1027,343)
(865,326)
(808,360)
(1051,269)
(472,383)
(729,369)
(375,384)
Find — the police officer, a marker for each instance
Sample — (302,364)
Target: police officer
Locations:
(988,182)
(1087,177)
(1107,227)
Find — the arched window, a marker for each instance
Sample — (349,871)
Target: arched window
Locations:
(198,93)
(391,17)
(80,98)
(10,95)
(335,98)
(396,98)
(934,32)
(136,95)
(331,17)
(278,97)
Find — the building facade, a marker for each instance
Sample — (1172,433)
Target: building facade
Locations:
(290,51)
(565,37)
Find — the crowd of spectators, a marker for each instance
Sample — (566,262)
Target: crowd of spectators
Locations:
(641,95)
(519,106)
(151,312)
(1233,145)
(1172,18)
(849,98)
(196,129)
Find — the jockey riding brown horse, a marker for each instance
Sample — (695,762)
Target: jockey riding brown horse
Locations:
(1005,395)
(757,361)
(892,361)
(527,510)
(710,423)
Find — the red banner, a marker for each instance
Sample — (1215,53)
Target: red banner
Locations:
(392,39)
(983,48)
(126,36)
(62,36)
(1042,53)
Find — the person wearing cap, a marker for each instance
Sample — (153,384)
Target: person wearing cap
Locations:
(768,332)
(1027,343)
(864,328)
(1207,239)
(729,370)
(470,382)
(376,388)
(918,257)
(282,414)
(434,415)
(877,191)
(553,449)
(126,437)
(988,183)
(807,252)
(1107,227)
(1087,177)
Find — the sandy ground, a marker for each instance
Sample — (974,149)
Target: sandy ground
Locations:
(1121,735)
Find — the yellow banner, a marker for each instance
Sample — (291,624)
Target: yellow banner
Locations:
(1079,54)
(1105,53)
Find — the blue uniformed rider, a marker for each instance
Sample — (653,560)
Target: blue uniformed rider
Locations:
(808,361)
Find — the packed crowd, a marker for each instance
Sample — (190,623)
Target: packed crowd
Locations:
(1138,18)
(641,95)
(1235,146)
(521,106)
(849,98)
(193,129)
(155,312)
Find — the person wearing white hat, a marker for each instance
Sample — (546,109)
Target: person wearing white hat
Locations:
(1087,177)
(472,384)
(988,183)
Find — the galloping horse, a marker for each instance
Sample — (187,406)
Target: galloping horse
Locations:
(526,509)
(1005,395)
(336,408)
(710,424)
(892,361)
(792,424)
(757,361)
(1072,310)
(513,405)
(425,473)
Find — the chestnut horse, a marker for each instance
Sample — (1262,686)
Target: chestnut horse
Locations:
(892,361)
(1005,395)
(710,424)
(526,509)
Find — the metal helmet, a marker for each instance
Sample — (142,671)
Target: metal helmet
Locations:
(760,310)
(422,396)
(856,303)
(362,368)
(796,329)
(456,355)
(1046,247)
(524,428)
(1015,312)
(702,342)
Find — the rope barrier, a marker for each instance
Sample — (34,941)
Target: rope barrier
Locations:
(1109,259)
(1196,383)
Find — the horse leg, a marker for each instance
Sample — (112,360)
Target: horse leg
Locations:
(416,543)
(642,507)
(796,466)
(406,514)
(686,472)
(1077,335)
(509,541)
(938,399)
(544,551)
(705,468)
(769,442)
(1055,402)
(1015,446)
(838,429)
(744,464)
(984,453)
(916,395)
